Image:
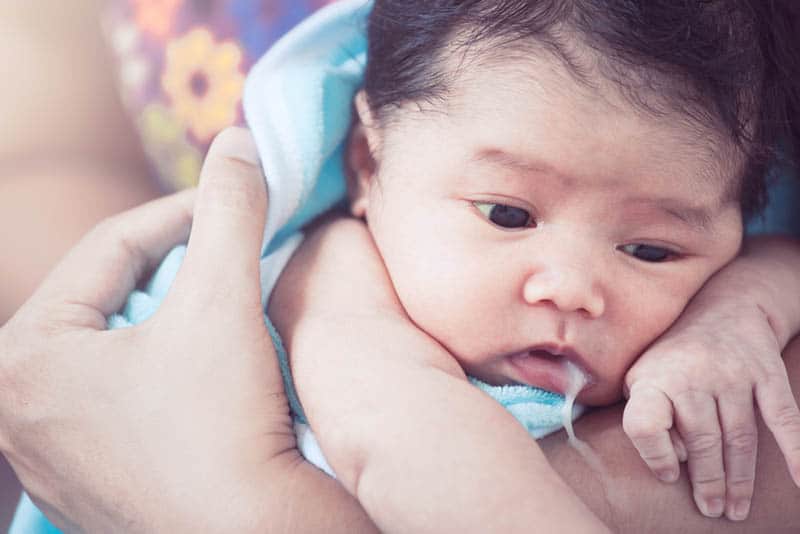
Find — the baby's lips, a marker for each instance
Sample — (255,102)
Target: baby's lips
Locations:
(541,369)
(578,376)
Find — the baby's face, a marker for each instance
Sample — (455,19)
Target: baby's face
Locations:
(529,221)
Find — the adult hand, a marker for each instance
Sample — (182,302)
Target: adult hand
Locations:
(181,420)
(693,393)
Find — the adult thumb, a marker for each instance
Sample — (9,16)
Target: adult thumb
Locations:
(222,259)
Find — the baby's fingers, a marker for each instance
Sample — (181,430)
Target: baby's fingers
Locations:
(677,443)
(779,410)
(698,423)
(740,437)
(647,420)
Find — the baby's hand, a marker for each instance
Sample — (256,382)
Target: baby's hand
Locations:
(692,396)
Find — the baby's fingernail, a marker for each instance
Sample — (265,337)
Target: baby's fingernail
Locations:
(713,507)
(667,475)
(739,510)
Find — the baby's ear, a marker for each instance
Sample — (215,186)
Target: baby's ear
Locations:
(362,146)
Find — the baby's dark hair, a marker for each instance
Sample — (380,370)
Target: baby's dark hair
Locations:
(734,64)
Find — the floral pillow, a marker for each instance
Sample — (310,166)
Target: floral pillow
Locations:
(182,65)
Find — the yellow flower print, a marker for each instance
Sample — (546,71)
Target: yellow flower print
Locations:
(203,81)
(164,139)
(156,16)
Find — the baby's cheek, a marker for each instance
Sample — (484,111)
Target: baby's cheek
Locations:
(655,316)
(450,304)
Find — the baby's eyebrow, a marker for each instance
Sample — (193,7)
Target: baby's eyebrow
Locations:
(497,156)
(697,217)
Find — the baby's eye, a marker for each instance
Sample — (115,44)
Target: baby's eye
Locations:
(505,216)
(648,253)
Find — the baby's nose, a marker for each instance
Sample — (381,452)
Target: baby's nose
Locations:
(567,288)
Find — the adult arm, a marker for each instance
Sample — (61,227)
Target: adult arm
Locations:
(405,432)
(157,428)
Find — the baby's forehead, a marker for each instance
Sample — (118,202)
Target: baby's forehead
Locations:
(579,86)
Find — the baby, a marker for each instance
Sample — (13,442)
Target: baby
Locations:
(536,187)
(540,186)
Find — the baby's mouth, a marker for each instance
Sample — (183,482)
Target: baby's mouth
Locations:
(542,353)
(547,367)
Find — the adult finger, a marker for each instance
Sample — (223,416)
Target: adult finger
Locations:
(222,258)
(698,423)
(647,420)
(96,276)
(740,441)
(779,410)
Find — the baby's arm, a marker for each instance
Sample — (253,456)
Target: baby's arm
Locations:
(692,393)
(419,447)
